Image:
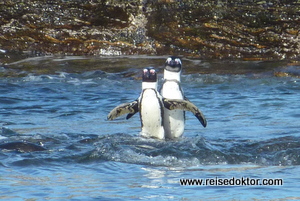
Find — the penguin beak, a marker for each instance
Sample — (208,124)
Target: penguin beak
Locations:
(172,63)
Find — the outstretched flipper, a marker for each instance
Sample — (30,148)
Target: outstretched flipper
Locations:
(130,115)
(173,104)
(122,109)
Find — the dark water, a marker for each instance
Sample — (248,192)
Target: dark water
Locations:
(55,142)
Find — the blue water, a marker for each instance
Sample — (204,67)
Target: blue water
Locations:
(252,131)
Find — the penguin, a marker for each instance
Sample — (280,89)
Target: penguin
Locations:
(151,106)
(174,120)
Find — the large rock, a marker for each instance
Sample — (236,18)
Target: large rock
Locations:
(206,29)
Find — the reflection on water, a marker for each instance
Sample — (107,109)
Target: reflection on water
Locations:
(251,108)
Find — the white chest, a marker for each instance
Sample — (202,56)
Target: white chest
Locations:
(171,90)
(151,114)
(173,119)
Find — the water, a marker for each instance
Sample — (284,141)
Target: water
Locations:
(253,131)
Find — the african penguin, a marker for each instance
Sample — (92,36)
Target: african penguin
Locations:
(174,120)
(151,105)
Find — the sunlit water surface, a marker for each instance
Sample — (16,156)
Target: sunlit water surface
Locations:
(56,144)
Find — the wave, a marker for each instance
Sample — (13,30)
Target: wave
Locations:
(197,151)
(125,148)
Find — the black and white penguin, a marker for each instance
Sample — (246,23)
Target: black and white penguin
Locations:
(151,105)
(174,120)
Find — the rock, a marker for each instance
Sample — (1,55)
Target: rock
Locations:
(22,147)
(250,30)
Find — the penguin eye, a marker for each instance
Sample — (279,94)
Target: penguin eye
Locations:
(177,61)
(152,71)
(169,59)
(145,70)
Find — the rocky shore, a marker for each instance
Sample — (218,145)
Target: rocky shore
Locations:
(223,29)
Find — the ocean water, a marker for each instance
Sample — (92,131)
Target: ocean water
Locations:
(56,144)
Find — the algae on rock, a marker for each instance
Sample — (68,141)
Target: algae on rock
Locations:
(205,29)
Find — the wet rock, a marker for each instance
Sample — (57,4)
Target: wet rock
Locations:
(251,30)
(21,147)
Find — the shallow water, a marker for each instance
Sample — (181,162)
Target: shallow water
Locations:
(253,131)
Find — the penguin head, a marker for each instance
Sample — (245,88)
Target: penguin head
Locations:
(173,64)
(149,75)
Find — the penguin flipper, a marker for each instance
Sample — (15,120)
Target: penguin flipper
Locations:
(173,104)
(122,109)
(185,98)
(130,115)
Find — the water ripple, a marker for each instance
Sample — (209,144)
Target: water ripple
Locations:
(186,152)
